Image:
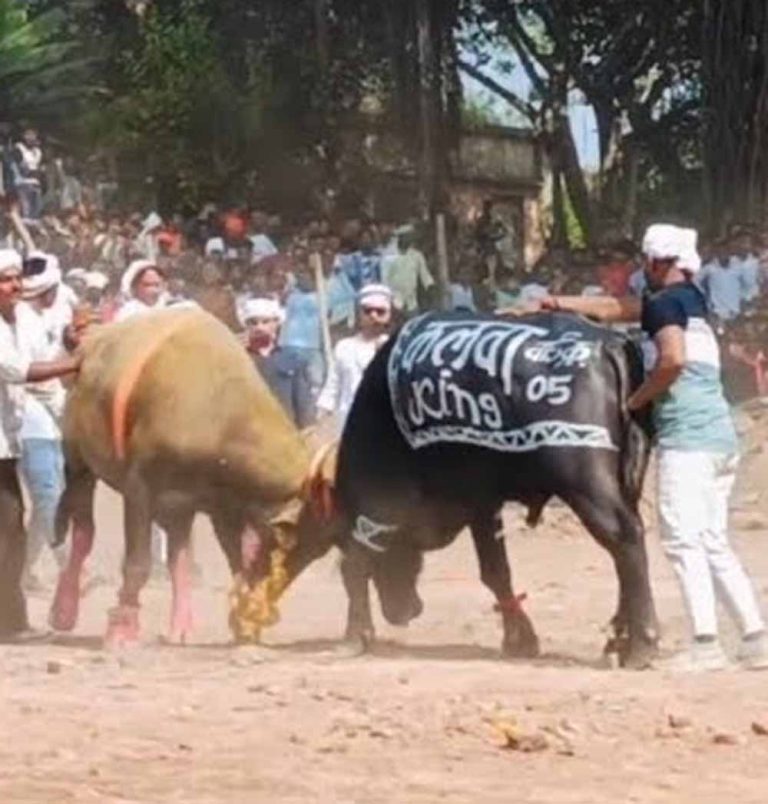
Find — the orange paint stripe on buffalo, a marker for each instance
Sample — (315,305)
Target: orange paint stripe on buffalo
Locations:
(169,410)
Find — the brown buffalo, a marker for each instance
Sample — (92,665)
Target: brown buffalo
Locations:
(169,411)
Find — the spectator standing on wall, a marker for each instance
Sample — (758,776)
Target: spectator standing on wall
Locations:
(28,164)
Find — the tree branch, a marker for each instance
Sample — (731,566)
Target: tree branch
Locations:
(525,108)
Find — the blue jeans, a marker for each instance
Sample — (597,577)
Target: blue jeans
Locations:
(42,467)
(316,365)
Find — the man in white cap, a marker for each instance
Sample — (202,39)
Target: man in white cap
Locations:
(696,440)
(42,460)
(285,371)
(17,367)
(351,356)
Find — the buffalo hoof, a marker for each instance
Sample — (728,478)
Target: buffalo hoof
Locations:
(179,637)
(521,649)
(180,632)
(351,649)
(66,605)
(638,655)
(122,628)
(355,644)
(520,640)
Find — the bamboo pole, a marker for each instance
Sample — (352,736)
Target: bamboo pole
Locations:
(316,260)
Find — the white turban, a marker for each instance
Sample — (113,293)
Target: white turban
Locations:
(262,308)
(663,241)
(377,294)
(96,280)
(10,259)
(35,284)
(76,275)
(131,273)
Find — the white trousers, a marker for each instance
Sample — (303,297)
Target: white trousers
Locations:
(693,493)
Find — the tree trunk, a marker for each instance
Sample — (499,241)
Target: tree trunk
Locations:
(427,85)
(574,180)
(631,176)
(559,236)
(321,34)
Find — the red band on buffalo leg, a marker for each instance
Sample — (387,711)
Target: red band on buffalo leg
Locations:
(512,605)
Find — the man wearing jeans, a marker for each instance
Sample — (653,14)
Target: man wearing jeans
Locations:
(16,369)
(696,439)
(42,461)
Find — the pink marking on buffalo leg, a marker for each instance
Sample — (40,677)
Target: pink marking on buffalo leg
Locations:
(181,605)
(66,601)
(122,627)
(250,547)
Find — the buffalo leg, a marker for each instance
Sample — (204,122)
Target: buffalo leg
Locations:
(178,527)
(356,574)
(241,542)
(620,530)
(520,639)
(228,528)
(123,625)
(75,506)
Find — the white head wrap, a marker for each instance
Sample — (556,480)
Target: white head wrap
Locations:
(375,294)
(49,277)
(96,280)
(262,308)
(10,259)
(663,241)
(76,274)
(131,273)
(215,246)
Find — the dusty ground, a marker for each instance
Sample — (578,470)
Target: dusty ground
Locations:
(422,721)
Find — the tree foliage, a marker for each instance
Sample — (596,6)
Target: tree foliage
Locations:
(265,99)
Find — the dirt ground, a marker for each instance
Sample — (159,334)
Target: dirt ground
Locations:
(426,719)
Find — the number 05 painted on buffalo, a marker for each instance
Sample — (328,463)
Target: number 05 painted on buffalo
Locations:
(556,390)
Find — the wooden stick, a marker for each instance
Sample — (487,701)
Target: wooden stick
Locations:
(322,303)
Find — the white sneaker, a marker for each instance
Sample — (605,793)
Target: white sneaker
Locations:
(701,657)
(753,653)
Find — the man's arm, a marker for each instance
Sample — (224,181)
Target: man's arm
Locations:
(603,308)
(670,342)
(40,371)
(608,309)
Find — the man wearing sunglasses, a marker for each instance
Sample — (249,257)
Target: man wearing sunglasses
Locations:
(351,356)
(18,329)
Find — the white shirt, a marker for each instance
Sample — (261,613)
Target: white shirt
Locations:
(44,401)
(134,307)
(14,367)
(351,357)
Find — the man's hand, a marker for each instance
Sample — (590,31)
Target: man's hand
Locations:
(529,308)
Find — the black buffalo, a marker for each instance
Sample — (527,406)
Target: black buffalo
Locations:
(458,414)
